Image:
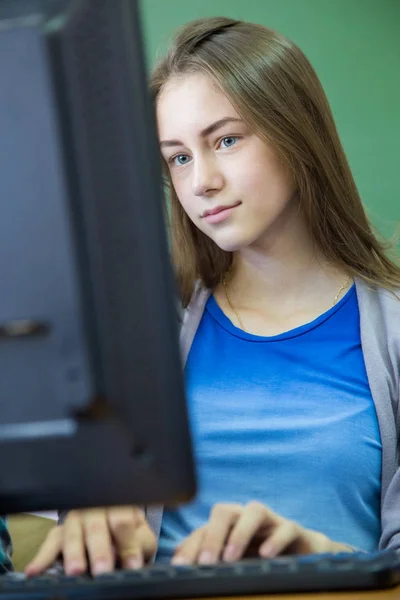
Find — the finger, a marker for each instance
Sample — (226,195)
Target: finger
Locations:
(188,551)
(147,542)
(98,541)
(73,546)
(254,518)
(282,536)
(47,553)
(222,519)
(134,540)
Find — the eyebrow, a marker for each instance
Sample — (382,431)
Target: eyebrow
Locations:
(207,131)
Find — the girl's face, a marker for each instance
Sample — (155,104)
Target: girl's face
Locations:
(227,179)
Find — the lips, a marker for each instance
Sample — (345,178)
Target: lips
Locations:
(219,214)
(218,209)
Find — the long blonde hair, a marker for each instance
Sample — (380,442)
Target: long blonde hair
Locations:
(274,88)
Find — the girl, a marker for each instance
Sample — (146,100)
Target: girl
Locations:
(291,330)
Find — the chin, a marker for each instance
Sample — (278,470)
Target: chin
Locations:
(233,243)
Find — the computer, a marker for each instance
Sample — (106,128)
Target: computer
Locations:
(92,395)
(92,402)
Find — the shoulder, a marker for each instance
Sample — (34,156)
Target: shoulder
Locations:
(377,298)
(379,310)
(191,317)
(197,302)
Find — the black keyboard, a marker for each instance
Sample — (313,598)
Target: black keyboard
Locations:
(320,572)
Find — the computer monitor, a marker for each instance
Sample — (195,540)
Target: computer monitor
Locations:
(92,392)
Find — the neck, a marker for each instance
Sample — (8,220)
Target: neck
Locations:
(285,269)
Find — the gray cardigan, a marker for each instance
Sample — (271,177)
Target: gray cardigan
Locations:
(380,341)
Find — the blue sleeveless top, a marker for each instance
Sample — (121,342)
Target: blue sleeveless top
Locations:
(287,420)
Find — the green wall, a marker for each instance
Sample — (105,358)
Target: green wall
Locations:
(354,45)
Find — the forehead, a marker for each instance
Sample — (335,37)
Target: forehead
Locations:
(189,104)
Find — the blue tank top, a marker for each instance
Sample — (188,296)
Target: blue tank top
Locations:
(286,420)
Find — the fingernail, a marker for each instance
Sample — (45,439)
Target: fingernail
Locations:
(101,566)
(73,568)
(267,550)
(231,553)
(179,561)
(31,570)
(134,563)
(206,558)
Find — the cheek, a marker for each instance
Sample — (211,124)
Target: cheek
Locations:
(265,185)
(183,190)
(247,171)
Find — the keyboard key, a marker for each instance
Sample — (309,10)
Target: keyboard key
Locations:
(279,566)
(158,572)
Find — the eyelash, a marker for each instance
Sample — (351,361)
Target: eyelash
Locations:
(172,159)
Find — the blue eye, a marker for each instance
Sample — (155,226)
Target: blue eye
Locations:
(229,141)
(180,159)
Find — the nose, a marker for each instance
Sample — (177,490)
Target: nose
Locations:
(207,177)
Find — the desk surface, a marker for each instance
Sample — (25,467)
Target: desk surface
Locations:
(392,594)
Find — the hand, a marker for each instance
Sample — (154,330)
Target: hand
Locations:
(234,532)
(98,537)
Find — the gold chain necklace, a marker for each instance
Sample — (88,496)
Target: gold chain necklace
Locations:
(344,286)
(341,289)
